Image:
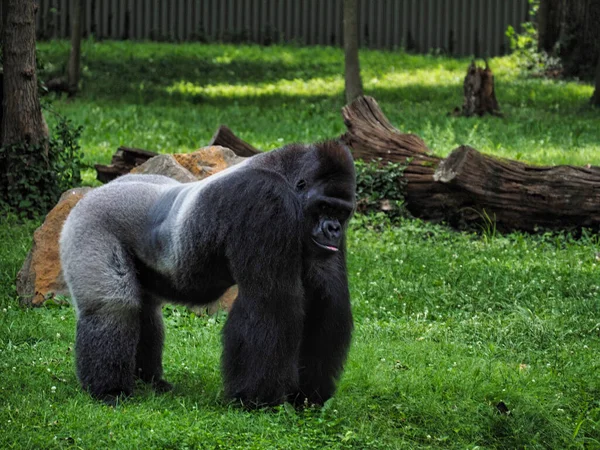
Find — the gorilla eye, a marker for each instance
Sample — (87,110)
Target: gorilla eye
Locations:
(300,185)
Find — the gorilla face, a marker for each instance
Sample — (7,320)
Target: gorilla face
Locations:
(327,187)
(327,219)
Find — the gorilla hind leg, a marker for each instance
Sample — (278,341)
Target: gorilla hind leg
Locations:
(105,347)
(107,296)
(148,358)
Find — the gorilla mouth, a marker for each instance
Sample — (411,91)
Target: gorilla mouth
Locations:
(329,248)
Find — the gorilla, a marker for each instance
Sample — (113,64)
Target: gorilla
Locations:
(274,225)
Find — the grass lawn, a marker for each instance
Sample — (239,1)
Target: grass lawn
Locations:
(461,341)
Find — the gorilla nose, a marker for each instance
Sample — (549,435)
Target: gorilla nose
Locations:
(331,229)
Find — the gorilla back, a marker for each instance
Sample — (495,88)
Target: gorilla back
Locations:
(274,224)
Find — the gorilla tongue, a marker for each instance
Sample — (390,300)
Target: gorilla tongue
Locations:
(333,249)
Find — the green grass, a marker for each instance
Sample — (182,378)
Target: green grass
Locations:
(448,325)
(172,98)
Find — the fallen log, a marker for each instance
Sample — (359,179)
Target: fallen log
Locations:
(469,186)
(126,158)
(465,188)
(225,138)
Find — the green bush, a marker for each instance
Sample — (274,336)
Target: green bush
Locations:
(32,179)
(380,187)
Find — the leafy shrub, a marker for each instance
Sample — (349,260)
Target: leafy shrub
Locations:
(32,179)
(380,187)
(524,46)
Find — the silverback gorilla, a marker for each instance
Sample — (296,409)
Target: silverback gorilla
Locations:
(274,225)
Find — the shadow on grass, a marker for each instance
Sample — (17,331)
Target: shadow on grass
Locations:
(143,73)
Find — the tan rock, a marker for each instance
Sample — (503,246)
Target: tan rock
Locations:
(40,278)
(207,161)
(225,302)
(166,165)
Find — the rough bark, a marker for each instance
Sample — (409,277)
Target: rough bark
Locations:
(574,26)
(353,81)
(479,92)
(124,159)
(550,18)
(74,65)
(596,96)
(225,138)
(469,187)
(22,119)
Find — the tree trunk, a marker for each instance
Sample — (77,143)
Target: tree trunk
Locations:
(550,20)
(74,66)
(22,119)
(352,65)
(596,97)
(469,187)
(542,24)
(573,25)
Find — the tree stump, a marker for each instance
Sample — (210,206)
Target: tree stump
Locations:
(470,187)
(479,94)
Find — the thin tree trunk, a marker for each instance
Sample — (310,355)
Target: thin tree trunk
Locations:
(22,119)
(352,65)
(596,97)
(542,24)
(73,70)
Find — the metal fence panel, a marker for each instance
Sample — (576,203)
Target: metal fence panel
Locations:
(456,27)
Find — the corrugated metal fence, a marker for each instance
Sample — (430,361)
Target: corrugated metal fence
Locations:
(458,27)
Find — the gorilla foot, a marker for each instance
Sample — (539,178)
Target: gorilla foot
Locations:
(301,400)
(112,398)
(162,386)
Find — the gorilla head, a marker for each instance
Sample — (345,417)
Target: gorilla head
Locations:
(274,225)
(325,186)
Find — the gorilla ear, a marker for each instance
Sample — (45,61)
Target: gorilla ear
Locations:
(342,143)
(334,156)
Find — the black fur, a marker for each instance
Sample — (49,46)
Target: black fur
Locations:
(275,226)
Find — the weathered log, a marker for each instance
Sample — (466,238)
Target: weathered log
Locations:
(124,159)
(469,187)
(225,138)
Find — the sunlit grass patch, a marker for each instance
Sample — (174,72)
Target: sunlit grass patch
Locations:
(292,88)
(171,98)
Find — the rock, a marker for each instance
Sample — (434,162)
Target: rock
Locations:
(188,167)
(225,302)
(165,165)
(40,278)
(207,161)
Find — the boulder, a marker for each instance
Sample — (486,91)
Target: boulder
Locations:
(40,277)
(225,302)
(165,165)
(207,161)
